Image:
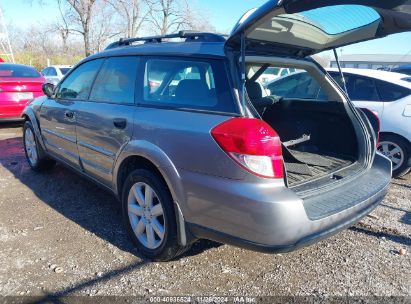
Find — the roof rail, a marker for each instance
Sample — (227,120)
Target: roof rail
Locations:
(189,36)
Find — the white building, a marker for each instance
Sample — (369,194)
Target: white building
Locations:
(371,61)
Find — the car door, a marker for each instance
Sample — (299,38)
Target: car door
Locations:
(396,100)
(362,92)
(58,115)
(105,120)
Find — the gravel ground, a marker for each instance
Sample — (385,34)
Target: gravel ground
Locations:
(62,235)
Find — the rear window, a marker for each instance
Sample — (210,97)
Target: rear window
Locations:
(391,92)
(18,71)
(359,88)
(64,70)
(300,85)
(188,84)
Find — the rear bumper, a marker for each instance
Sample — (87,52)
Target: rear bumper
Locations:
(11,107)
(288,223)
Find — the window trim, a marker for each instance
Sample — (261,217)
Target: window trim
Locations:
(135,81)
(392,84)
(141,102)
(102,59)
(360,76)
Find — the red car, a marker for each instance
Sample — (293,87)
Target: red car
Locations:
(19,84)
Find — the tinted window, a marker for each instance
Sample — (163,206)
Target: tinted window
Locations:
(64,70)
(300,85)
(78,84)
(272,71)
(391,92)
(52,72)
(359,88)
(116,81)
(45,72)
(284,72)
(18,71)
(177,83)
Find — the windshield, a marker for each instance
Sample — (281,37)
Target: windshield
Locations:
(64,70)
(18,71)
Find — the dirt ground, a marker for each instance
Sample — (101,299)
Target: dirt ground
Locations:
(61,235)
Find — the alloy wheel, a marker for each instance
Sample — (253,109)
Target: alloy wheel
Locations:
(146,215)
(393,152)
(31,146)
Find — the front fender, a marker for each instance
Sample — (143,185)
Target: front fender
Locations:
(29,112)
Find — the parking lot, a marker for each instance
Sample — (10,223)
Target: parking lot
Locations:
(61,235)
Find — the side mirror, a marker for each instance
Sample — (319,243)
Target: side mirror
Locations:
(48,89)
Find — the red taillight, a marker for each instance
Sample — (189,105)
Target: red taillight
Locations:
(379,126)
(253,144)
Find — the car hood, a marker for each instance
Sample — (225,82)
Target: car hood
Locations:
(305,27)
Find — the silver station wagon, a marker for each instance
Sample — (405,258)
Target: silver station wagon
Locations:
(182,131)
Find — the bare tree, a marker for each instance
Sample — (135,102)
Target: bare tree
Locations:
(63,27)
(133,14)
(194,20)
(82,13)
(102,26)
(168,16)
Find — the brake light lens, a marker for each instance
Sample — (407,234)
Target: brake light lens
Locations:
(253,144)
(379,126)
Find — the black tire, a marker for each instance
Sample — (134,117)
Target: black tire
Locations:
(169,247)
(405,167)
(43,163)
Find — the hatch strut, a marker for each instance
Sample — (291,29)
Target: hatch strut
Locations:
(340,70)
(243,68)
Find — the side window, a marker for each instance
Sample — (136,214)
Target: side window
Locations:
(391,92)
(299,85)
(116,80)
(284,72)
(189,84)
(78,84)
(361,88)
(52,72)
(45,72)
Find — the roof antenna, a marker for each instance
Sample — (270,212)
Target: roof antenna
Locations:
(340,70)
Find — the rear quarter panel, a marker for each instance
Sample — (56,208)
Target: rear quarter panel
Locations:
(177,141)
(395,119)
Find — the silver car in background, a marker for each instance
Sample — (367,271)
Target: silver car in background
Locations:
(55,73)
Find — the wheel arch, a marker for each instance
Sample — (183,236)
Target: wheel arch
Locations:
(29,115)
(397,135)
(143,154)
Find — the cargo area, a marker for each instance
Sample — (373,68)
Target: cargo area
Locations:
(318,138)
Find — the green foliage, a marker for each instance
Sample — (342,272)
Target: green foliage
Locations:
(39,61)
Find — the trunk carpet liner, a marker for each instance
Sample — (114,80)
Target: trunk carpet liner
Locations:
(310,158)
(303,166)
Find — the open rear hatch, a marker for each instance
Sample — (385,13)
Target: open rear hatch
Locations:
(300,28)
(320,139)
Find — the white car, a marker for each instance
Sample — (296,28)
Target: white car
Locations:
(386,94)
(55,73)
(272,73)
